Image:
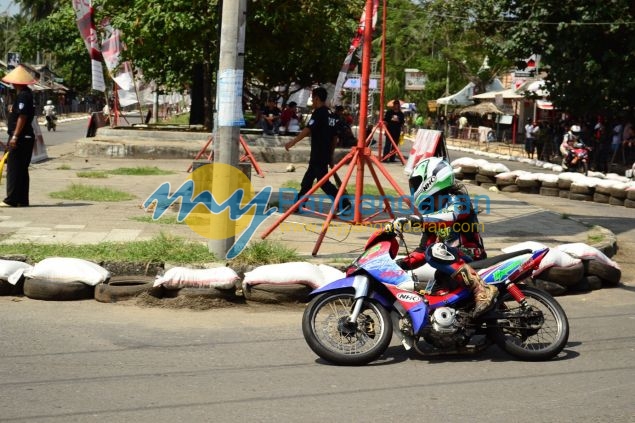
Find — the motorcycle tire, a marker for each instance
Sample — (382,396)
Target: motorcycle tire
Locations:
(539,337)
(326,332)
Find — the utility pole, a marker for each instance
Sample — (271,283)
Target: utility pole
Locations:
(230,117)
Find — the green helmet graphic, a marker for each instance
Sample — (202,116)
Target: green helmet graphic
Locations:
(429,177)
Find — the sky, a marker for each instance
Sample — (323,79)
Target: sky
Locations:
(12,7)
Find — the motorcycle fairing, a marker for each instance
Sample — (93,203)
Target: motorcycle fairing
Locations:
(502,271)
(378,263)
(359,283)
(405,302)
(459,294)
(411,303)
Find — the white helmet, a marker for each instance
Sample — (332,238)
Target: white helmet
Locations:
(49,102)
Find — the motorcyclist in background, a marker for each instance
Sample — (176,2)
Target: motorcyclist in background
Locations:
(50,113)
(449,229)
(569,141)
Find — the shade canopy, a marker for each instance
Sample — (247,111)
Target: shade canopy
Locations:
(506,94)
(462,98)
(483,109)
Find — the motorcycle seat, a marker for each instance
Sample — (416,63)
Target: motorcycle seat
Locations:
(490,261)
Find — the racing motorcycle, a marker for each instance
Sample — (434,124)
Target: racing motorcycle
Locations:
(579,159)
(350,321)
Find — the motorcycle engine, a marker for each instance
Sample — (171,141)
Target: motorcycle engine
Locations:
(443,320)
(445,331)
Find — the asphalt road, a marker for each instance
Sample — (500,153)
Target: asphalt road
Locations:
(87,361)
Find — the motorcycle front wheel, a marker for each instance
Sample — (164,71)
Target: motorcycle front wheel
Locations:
(329,334)
(534,333)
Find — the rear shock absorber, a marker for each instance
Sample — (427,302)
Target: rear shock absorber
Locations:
(515,292)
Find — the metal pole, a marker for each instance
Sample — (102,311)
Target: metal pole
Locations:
(229,106)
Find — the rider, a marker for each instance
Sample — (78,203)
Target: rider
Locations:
(449,229)
(49,111)
(568,143)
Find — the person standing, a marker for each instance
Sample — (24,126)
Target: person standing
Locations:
(21,138)
(321,128)
(394,120)
(531,133)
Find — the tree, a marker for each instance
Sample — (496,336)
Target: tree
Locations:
(586,47)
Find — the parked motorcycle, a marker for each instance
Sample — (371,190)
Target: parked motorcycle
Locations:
(50,123)
(579,161)
(350,321)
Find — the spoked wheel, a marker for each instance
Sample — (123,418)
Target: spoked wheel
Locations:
(538,332)
(330,335)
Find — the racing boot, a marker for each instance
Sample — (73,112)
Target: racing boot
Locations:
(484,294)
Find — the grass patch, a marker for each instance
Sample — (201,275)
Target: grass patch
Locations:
(64,167)
(162,248)
(181,119)
(265,252)
(139,171)
(368,189)
(163,220)
(94,174)
(91,193)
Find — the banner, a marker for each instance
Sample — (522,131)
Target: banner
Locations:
(424,146)
(111,48)
(356,42)
(84,17)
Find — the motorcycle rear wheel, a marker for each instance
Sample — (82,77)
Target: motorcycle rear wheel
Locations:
(330,336)
(534,335)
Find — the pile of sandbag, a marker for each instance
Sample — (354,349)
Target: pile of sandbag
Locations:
(286,282)
(63,279)
(611,188)
(570,268)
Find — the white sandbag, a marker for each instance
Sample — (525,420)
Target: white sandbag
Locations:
(330,273)
(527,177)
(481,163)
(68,269)
(584,251)
(548,177)
(12,270)
(593,174)
(183,277)
(557,258)
(527,245)
(557,168)
(616,177)
(553,257)
(303,273)
(464,161)
(495,167)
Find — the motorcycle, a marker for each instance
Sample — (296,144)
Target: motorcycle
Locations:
(579,161)
(50,123)
(350,321)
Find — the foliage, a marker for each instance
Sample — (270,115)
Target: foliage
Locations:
(91,193)
(57,37)
(162,248)
(586,47)
(265,252)
(140,171)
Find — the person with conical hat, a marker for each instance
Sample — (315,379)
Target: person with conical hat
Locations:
(21,138)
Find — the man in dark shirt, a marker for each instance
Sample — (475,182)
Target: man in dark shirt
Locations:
(394,120)
(270,118)
(321,127)
(21,138)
